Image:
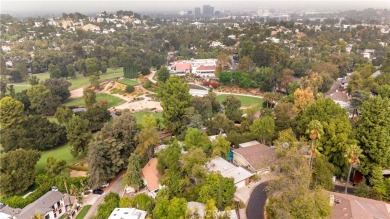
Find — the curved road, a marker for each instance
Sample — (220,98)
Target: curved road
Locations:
(256,203)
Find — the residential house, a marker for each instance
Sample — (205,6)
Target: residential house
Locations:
(51,206)
(151,177)
(340,98)
(127,213)
(353,207)
(256,157)
(241,176)
(199,67)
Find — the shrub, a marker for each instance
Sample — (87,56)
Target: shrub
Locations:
(129,89)
(145,71)
(214,84)
(206,83)
(148,84)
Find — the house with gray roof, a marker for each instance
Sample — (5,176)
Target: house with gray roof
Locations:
(51,206)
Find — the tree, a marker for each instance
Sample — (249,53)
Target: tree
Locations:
(133,174)
(92,66)
(34,80)
(143,202)
(210,209)
(54,167)
(63,114)
(130,70)
(315,132)
(174,208)
(220,146)
(113,62)
(125,202)
(163,74)
(284,116)
(289,196)
(42,100)
(195,138)
(129,89)
(58,87)
(218,188)
(78,135)
(337,129)
(353,154)
(302,98)
(17,170)
(11,90)
(245,64)
(15,76)
(323,173)
(54,71)
(175,99)
(94,80)
(115,141)
(263,129)
(148,138)
(111,201)
(35,132)
(232,108)
(219,123)
(71,70)
(96,115)
(373,133)
(89,97)
(11,112)
(377,183)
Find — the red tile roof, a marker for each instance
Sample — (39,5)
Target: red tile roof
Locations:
(206,68)
(182,66)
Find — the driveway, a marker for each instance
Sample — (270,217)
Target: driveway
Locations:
(256,204)
(96,200)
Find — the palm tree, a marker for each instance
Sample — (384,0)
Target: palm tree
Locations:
(353,154)
(315,131)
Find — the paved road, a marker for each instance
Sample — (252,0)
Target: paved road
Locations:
(116,187)
(256,204)
(341,189)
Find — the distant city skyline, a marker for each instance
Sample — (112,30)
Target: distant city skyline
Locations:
(39,7)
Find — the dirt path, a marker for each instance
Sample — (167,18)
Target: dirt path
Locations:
(77,93)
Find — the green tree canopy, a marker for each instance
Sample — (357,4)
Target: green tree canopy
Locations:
(17,170)
(175,99)
(11,113)
(78,135)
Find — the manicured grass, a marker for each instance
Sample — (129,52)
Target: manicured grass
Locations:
(61,152)
(78,82)
(111,100)
(81,81)
(245,100)
(128,81)
(140,116)
(83,212)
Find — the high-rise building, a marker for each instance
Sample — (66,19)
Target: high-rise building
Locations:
(197,11)
(206,9)
(211,10)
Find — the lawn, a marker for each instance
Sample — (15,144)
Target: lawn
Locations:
(245,100)
(140,116)
(128,81)
(83,212)
(111,100)
(61,152)
(77,82)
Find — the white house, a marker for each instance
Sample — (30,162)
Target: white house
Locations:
(51,206)
(241,176)
(127,213)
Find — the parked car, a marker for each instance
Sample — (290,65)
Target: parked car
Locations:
(98,191)
(105,185)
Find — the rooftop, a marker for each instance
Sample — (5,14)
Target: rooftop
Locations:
(353,207)
(128,213)
(258,156)
(248,144)
(151,175)
(227,169)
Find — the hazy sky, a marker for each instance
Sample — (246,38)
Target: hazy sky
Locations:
(87,6)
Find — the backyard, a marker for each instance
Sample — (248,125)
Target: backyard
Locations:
(61,152)
(246,101)
(83,212)
(140,116)
(111,100)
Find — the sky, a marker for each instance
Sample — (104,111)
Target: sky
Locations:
(44,7)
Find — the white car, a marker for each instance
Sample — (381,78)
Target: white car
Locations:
(105,185)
